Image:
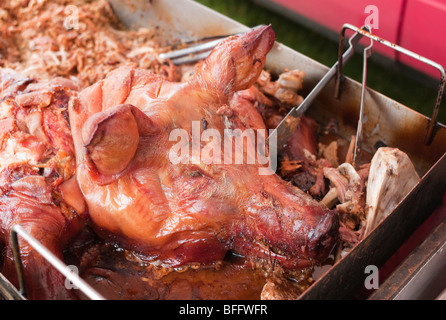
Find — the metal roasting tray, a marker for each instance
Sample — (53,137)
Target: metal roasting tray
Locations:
(387,123)
(421,275)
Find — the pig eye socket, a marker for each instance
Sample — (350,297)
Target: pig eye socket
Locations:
(194,173)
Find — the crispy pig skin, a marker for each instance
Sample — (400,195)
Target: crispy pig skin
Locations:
(191,211)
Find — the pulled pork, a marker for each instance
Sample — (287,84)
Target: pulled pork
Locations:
(78,40)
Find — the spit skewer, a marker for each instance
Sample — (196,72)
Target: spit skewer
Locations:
(51,258)
(194,50)
(190,54)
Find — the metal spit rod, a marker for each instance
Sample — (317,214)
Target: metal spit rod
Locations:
(194,50)
(358,140)
(190,54)
(51,258)
(8,290)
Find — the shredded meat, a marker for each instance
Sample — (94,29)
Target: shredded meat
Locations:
(285,88)
(79,40)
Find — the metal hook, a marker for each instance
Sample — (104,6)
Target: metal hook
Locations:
(341,57)
(358,140)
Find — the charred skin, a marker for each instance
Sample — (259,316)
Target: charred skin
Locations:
(190,212)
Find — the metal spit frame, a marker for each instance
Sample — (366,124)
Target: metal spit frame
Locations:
(372,37)
(76,281)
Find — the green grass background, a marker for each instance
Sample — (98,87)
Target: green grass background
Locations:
(407,90)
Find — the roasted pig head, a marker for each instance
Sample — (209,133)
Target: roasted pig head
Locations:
(153,186)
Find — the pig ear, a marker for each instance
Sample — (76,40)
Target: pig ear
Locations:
(236,62)
(111,138)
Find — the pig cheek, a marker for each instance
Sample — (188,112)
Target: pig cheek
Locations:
(205,199)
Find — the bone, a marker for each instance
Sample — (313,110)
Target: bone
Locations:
(392,176)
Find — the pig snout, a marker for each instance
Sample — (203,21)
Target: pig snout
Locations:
(284,225)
